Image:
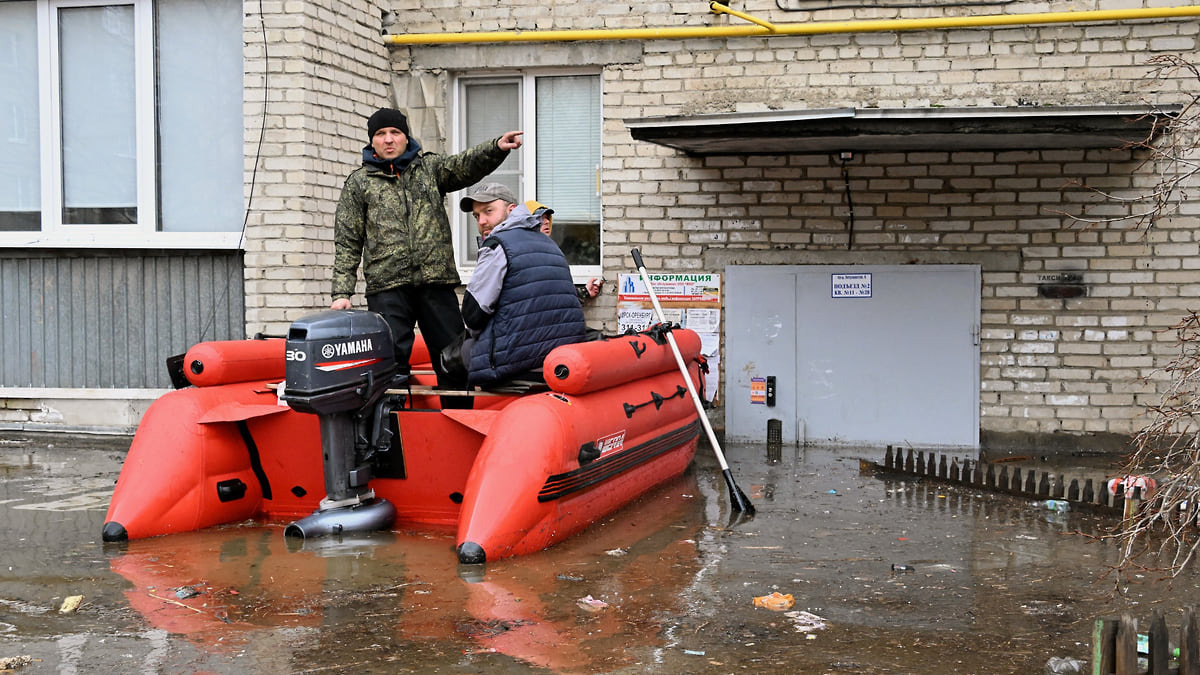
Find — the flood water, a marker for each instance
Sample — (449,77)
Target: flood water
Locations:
(996,584)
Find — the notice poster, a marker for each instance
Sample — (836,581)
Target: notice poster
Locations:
(758,390)
(850,285)
(691,300)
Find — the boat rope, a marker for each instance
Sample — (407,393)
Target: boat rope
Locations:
(255,459)
(656,399)
(658,332)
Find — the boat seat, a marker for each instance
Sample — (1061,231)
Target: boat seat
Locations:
(529,382)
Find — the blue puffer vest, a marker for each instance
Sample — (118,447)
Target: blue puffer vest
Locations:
(537,310)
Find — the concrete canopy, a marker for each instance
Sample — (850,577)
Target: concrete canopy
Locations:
(835,130)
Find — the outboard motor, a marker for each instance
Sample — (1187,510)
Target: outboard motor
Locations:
(339,366)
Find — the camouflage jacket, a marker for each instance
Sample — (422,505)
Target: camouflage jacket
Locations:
(397,224)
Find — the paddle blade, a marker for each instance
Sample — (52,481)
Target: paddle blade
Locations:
(737,499)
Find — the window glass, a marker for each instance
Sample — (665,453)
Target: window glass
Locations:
(199,115)
(99,139)
(568,162)
(121,123)
(491,108)
(559,163)
(20,147)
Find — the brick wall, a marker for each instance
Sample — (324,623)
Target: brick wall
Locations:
(322,70)
(1048,365)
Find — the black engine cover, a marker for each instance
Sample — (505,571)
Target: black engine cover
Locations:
(337,361)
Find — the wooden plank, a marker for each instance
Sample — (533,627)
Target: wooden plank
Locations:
(1126,653)
(1189,644)
(1058,489)
(1131,504)
(1159,654)
(428,390)
(1104,646)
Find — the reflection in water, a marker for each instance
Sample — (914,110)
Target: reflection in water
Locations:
(983,583)
(386,593)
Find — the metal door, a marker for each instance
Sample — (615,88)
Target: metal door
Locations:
(863,354)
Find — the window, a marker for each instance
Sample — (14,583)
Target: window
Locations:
(559,163)
(113,133)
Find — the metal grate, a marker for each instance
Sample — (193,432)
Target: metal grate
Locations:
(774,439)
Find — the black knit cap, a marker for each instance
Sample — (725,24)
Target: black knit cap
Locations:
(386,117)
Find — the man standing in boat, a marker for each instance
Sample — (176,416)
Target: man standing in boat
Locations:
(521,302)
(391,216)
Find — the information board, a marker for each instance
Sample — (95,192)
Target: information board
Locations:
(691,300)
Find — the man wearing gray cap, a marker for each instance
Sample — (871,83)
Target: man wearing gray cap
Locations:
(489,204)
(392,218)
(521,302)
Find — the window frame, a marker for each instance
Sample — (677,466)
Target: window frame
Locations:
(528,176)
(144,234)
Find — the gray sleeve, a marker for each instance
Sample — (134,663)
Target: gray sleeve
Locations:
(490,268)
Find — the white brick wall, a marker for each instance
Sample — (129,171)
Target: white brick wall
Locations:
(326,71)
(1048,365)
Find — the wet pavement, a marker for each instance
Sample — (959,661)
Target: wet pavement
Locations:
(983,583)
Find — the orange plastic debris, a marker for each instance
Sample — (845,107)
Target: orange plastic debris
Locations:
(775,601)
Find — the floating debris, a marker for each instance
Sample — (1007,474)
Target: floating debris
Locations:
(806,622)
(617,552)
(70,604)
(776,601)
(591,604)
(14,662)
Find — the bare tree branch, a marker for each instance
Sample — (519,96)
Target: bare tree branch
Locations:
(1170,152)
(1161,535)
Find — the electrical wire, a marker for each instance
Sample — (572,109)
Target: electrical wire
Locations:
(262,133)
(845,157)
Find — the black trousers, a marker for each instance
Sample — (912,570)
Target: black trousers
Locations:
(432,308)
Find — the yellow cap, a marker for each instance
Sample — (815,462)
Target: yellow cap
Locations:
(536,206)
(533,206)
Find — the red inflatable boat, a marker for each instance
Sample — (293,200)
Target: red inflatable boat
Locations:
(263,432)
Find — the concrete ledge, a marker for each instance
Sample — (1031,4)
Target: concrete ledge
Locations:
(988,261)
(82,411)
(1000,443)
(60,429)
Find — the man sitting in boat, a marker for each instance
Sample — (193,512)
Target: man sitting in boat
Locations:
(546,214)
(521,301)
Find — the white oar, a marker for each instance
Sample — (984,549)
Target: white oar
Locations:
(737,498)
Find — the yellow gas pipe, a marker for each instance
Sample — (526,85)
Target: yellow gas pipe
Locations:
(718,8)
(763,28)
